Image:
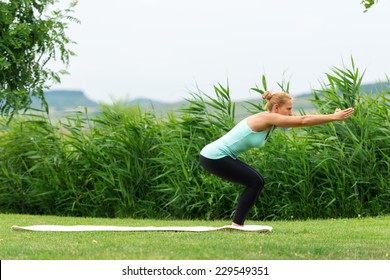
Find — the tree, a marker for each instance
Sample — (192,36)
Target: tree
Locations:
(368,3)
(31,35)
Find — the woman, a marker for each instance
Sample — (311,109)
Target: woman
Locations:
(221,156)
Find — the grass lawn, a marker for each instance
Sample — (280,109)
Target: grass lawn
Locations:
(333,239)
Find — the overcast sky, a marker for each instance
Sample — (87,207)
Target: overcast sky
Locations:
(162,49)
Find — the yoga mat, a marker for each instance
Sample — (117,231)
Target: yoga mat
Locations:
(76,228)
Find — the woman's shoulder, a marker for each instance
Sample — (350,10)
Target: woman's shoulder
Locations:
(259,122)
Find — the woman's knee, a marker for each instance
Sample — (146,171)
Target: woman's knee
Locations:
(258,183)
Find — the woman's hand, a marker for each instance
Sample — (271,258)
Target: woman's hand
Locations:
(342,115)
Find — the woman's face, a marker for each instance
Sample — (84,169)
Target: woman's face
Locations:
(285,109)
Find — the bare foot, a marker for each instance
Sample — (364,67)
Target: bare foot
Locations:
(236,225)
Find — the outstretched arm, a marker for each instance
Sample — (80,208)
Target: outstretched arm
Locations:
(265,121)
(308,120)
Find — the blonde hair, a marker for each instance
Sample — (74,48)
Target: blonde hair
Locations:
(279,98)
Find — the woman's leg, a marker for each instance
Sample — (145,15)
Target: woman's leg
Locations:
(237,171)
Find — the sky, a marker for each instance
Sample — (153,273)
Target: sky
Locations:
(165,49)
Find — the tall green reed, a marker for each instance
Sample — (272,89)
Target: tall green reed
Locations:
(358,147)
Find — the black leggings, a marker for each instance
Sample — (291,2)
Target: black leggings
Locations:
(237,171)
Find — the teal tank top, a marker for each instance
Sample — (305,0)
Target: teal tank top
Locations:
(238,140)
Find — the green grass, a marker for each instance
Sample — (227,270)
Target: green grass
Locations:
(334,239)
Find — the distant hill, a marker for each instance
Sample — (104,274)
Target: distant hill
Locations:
(160,108)
(70,100)
(375,87)
(66,100)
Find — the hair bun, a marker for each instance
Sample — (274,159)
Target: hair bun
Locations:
(267,95)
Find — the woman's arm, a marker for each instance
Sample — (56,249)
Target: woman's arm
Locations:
(265,121)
